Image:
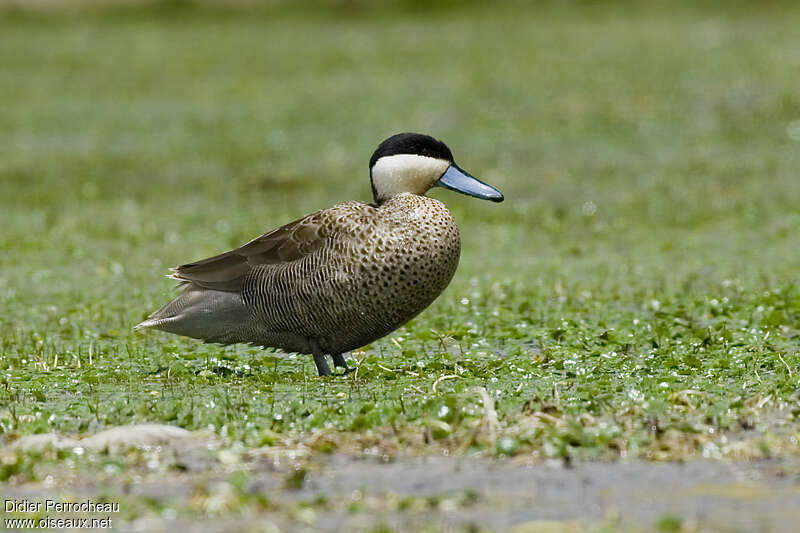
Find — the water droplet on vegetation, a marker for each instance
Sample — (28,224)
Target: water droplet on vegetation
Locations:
(635,395)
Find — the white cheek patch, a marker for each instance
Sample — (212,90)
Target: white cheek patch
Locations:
(396,174)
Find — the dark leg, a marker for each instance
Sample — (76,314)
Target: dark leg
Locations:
(319,360)
(338,360)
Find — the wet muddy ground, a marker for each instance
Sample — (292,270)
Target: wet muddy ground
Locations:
(345,493)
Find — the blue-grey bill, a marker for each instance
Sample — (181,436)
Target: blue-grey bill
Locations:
(457,180)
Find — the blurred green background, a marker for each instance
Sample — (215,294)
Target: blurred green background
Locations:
(634,141)
(649,153)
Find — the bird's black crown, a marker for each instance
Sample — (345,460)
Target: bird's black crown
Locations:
(411,143)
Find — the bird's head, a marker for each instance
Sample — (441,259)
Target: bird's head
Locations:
(414,162)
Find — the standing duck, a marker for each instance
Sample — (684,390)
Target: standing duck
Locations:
(339,278)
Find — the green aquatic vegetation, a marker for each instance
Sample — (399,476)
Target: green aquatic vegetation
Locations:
(636,295)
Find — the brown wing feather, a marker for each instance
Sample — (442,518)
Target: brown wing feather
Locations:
(226,272)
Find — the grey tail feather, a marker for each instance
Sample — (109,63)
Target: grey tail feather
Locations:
(213,316)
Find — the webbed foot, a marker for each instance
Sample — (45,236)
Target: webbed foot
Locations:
(338,361)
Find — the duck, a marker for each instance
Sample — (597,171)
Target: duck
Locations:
(340,278)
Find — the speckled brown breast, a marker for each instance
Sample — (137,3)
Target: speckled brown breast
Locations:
(370,271)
